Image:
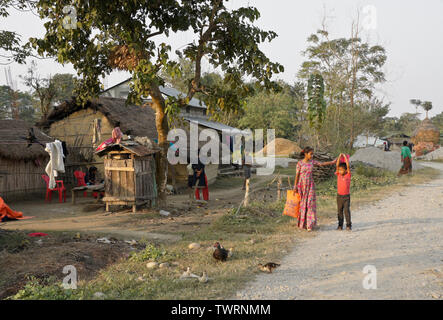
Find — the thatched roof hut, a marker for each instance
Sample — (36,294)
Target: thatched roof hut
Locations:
(134,120)
(13,146)
(21,166)
(84,127)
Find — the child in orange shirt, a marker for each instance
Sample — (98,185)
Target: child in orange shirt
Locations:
(343,192)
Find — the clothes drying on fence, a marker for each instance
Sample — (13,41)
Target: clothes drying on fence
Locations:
(55,164)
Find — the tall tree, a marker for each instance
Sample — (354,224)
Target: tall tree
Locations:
(50,90)
(350,67)
(24,102)
(109,35)
(278,110)
(427,106)
(438,121)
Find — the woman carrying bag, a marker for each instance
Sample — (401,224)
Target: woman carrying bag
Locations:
(305,187)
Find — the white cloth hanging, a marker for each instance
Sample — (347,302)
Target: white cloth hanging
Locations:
(55,164)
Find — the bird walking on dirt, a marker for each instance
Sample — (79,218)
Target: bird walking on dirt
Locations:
(220,253)
(268,267)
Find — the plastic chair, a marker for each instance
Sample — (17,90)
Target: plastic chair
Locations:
(80,176)
(60,188)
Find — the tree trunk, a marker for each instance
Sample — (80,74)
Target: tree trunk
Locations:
(161,123)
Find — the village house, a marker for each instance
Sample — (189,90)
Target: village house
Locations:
(84,128)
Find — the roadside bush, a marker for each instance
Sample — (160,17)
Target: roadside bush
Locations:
(50,290)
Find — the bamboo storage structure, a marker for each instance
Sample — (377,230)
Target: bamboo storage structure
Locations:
(129,175)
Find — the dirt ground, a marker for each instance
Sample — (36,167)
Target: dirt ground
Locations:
(74,229)
(401,236)
(22,256)
(88,216)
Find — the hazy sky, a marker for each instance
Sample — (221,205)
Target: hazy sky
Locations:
(411,31)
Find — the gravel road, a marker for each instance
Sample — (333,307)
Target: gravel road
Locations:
(402,236)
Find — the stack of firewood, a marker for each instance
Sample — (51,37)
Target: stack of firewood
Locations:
(320,173)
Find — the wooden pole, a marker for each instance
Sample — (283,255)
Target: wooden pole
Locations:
(246,201)
(279,184)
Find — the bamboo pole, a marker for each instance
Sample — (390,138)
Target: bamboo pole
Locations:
(246,202)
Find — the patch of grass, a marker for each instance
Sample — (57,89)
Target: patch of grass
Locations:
(13,242)
(227,183)
(272,237)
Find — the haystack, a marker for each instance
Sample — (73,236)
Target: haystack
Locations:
(283,147)
(426,137)
(426,132)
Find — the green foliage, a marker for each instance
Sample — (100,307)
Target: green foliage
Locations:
(279,111)
(350,69)
(438,121)
(227,38)
(150,253)
(13,242)
(363,178)
(48,290)
(24,101)
(316,101)
(48,91)
(10,41)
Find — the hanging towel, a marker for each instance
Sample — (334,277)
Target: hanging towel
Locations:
(55,164)
(59,165)
(49,171)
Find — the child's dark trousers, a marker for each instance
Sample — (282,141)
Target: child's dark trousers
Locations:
(344,206)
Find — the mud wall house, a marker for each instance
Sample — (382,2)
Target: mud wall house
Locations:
(83,128)
(21,167)
(194,112)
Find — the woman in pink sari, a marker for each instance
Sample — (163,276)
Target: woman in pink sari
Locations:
(305,186)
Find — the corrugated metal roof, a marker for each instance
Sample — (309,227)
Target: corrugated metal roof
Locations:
(170,92)
(213,125)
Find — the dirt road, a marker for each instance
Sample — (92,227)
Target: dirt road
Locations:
(402,236)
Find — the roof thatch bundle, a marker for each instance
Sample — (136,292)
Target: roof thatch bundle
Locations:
(134,120)
(13,144)
(426,132)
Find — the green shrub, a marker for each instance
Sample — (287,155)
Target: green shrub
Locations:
(370,172)
(151,252)
(50,290)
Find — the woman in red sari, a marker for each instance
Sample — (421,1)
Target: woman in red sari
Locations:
(305,186)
